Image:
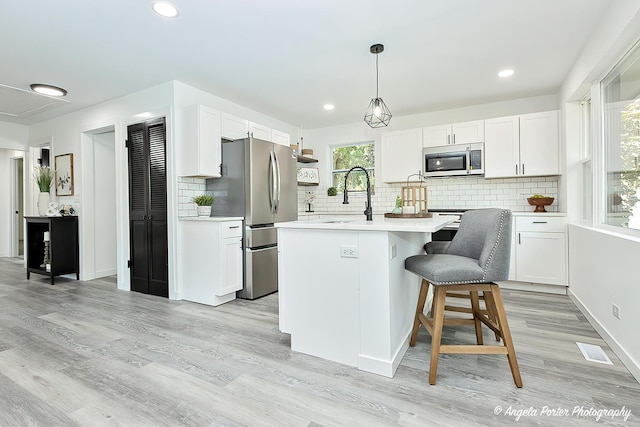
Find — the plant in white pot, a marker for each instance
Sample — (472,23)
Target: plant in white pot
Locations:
(44,177)
(204,202)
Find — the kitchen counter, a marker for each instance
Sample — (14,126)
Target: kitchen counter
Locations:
(211,218)
(344,294)
(379,223)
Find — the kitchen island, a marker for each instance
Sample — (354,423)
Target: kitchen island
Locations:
(344,294)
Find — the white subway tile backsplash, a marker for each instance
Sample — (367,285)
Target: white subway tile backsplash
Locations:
(445,193)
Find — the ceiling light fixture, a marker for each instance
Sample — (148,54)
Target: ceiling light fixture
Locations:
(165,9)
(48,90)
(377,113)
(328,106)
(505,73)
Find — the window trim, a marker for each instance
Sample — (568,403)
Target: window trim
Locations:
(370,170)
(599,144)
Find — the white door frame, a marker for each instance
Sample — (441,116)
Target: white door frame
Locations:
(16,198)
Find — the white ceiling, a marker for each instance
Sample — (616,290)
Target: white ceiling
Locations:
(286,58)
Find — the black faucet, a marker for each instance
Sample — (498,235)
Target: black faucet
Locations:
(367,211)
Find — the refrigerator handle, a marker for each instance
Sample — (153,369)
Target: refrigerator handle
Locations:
(272,181)
(277,186)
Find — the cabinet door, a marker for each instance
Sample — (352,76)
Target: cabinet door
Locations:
(234,127)
(209,144)
(401,154)
(468,132)
(200,151)
(539,144)
(501,156)
(435,136)
(280,137)
(259,131)
(540,257)
(231,258)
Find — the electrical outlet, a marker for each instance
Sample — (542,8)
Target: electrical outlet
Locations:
(616,311)
(348,252)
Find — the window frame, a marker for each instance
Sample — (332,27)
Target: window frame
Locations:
(600,145)
(370,170)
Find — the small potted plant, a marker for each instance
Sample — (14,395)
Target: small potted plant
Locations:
(204,202)
(332,191)
(43,176)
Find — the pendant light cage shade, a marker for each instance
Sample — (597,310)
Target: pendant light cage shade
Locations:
(377,114)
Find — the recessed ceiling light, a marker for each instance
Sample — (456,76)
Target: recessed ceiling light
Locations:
(328,106)
(165,9)
(48,90)
(505,73)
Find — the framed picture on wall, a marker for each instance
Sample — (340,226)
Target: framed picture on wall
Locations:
(64,174)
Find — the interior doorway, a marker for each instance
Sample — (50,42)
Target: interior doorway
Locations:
(17,206)
(99,222)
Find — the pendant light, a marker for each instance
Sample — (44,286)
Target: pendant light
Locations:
(377,114)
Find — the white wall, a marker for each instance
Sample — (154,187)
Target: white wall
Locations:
(66,134)
(604,270)
(603,267)
(13,137)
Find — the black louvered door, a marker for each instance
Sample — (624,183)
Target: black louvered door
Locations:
(148,207)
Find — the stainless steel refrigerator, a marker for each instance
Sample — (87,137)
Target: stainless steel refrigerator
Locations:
(259,183)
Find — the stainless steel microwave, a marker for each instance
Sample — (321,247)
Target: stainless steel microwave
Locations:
(452,160)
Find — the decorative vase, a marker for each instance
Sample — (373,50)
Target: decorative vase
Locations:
(204,210)
(43,202)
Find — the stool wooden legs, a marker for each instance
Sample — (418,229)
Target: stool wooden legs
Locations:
(494,317)
(422,298)
(496,298)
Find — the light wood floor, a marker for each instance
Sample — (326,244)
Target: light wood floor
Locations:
(84,353)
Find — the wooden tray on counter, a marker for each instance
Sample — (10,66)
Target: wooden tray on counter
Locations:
(414,215)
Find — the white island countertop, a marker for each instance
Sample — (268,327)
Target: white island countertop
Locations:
(379,223)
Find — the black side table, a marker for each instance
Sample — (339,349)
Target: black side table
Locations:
(64,254)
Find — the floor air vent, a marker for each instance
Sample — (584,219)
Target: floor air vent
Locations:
(594,353)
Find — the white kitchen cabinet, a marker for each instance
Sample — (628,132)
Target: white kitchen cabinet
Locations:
(259,131)
(280,137)
(525,145)
(456,133)
(540,249)
(200,151)
(234,127)
(210,260)
(501,147)
(401,153)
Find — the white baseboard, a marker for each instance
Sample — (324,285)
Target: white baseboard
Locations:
(626,360)
(105,273)
(534,287)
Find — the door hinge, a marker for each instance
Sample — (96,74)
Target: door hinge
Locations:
(126,143)
(128,263)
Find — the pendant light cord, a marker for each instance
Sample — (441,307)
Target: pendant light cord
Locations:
(377,76)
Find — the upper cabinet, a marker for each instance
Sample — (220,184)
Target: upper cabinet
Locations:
(280,137)
(236,128)
(259,131)
(456,133)
(525,145)
(401,153)
(200,151)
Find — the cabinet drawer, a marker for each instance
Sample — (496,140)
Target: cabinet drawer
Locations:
(541,223)
(231,229)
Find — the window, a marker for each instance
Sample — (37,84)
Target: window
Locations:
(585,159)
(344,157)
(621,133)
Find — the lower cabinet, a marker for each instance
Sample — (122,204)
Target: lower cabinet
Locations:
(210,260)
(539,254)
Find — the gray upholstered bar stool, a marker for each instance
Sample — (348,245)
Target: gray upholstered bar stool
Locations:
(478,256)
